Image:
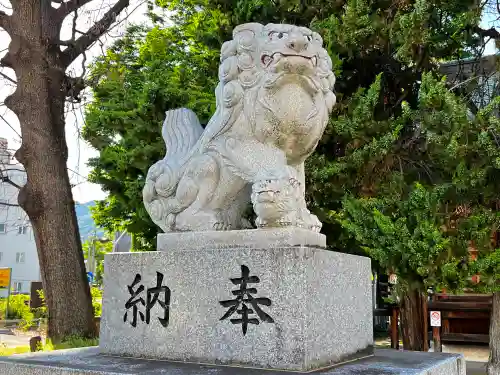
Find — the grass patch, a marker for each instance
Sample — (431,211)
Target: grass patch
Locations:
(70,343)
(5,351)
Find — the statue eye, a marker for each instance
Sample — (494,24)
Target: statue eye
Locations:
(309,38)
(274,35)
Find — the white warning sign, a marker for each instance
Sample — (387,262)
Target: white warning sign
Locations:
(435,318)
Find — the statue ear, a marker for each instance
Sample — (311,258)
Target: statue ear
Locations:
(317,37)
(254,27)
(228,49)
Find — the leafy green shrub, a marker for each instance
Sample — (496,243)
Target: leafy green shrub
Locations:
(41,312)
(70,343)
(18,309)
(96,294)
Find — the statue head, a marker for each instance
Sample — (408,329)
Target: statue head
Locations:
(265,56)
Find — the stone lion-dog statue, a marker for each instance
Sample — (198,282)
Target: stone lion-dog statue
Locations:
(274,97)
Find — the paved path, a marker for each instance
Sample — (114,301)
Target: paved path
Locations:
(9,339)
(475,355)
(476,368)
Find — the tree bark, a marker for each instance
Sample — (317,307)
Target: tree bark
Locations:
(494,362)
(47,198)
(413,320)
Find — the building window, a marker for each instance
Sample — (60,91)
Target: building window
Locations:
(18,286)
(22,229)
(20,257)
(3,228)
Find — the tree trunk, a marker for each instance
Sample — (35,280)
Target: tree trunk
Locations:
(494,362)
(47,198)
(413,320)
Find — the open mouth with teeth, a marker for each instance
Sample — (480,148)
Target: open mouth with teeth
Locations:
(277,56)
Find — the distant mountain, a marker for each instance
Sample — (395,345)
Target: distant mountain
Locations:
(85,221)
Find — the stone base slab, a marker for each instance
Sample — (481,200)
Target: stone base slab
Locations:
(251,238)
(305,307)
(90,361)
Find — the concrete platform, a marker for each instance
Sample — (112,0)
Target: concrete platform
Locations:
(89,361)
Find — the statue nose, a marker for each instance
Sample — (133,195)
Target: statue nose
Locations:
(297,42)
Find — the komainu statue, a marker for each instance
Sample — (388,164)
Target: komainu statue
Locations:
(274,98)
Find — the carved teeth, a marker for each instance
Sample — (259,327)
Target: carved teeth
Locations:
(266,59)
(277,56)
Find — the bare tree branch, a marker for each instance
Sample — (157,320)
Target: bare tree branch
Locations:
(9,181)
(14,169)
(69,7)
(7,77)
(10,126)
(94,33)
(73,27)
(8,204)
(464,82)
(490,33)
(122,20)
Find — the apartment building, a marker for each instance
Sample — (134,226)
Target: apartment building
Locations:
(17,243)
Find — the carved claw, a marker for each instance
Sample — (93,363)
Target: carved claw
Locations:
(283,222)
(170,221)
(221,226)
(310,221)
(316,224)
(221,222)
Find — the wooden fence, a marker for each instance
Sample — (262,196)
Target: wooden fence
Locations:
(464,319)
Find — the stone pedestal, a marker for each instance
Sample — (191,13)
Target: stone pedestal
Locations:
(248,239)
(90,361)
(282,307)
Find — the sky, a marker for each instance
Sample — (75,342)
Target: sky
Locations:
(79,150)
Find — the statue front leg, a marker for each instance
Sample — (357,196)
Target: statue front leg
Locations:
(277,189)
(305,217)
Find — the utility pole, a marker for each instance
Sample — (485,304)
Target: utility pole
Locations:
(92,254)
(117,240)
